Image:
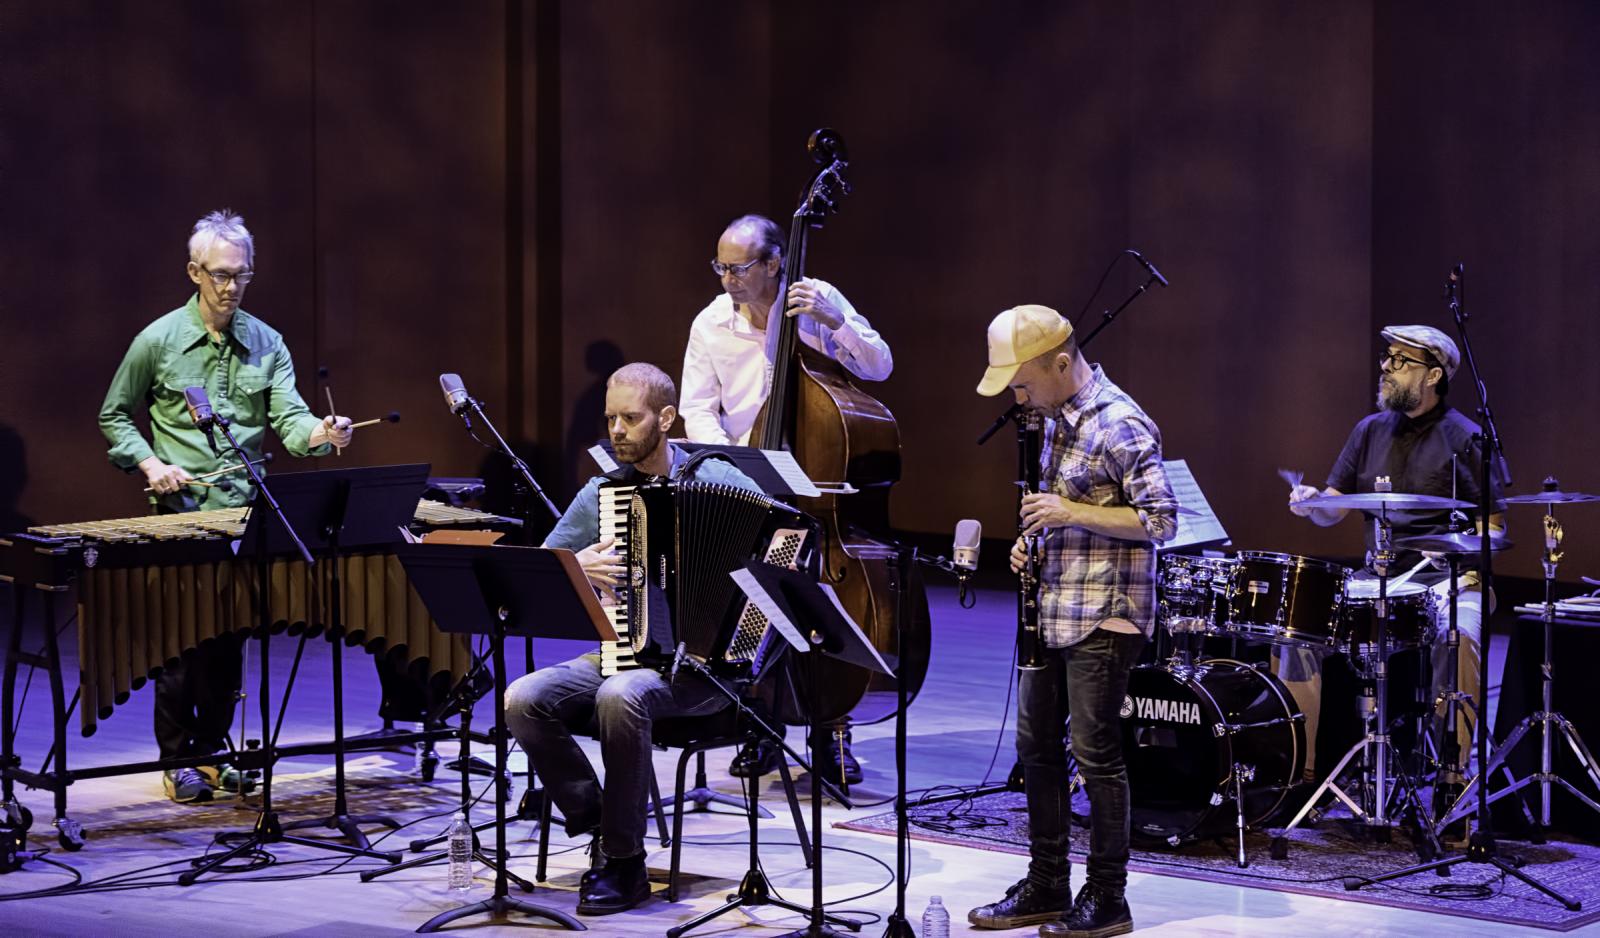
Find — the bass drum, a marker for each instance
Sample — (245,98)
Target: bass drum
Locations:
(1181,768)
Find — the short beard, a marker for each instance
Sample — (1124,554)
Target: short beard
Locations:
(1401,400)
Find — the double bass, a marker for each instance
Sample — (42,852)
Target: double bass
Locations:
(839,433)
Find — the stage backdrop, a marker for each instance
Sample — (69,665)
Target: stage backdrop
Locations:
(528,193)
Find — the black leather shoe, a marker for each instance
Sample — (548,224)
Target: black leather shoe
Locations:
(620,885)
(1095,914)
(756,759)
(833,758)
(1024,904)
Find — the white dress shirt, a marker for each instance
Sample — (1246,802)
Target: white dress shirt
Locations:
(727,368)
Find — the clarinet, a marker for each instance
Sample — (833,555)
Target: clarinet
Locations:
(1030,443)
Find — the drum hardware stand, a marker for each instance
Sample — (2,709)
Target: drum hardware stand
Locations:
(1375,747)
(1481,847)
(1547,719)
(1243,772)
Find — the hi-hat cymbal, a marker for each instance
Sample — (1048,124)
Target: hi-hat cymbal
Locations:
(1450,543)
(1551,498)
(1378,501)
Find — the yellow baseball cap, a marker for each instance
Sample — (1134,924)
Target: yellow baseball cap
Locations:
(1018,335)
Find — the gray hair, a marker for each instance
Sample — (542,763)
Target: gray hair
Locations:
(659,391)
(222,225)
(771,237)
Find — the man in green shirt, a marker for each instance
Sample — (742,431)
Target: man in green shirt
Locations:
(245,369)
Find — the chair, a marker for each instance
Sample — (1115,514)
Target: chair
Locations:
(695,736)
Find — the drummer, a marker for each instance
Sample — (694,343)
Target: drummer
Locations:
(1423,446)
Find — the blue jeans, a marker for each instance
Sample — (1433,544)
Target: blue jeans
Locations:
(1087,682)
(545,708)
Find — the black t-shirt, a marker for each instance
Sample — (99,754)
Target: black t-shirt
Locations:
(1416,456)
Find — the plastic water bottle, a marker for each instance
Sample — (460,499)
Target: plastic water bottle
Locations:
(935,919)
(461,855)
(420,748)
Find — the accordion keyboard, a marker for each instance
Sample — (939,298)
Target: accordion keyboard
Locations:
(616,656)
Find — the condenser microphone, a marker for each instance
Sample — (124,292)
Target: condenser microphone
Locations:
(1149,266)
(455,393)
(968,541)
(199,407)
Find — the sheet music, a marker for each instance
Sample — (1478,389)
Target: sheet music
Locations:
(1202,528)
(603,459)
(793,476)
(833,597)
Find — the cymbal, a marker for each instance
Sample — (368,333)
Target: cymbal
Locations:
(1378,501)
(1551,498)
(1451,543)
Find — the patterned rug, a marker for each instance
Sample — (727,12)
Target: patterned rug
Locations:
(1320,860)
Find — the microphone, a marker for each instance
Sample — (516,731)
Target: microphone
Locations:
(1150,267)
(677,661)
(455,393)
(964,551)
(199,407)
(968,541)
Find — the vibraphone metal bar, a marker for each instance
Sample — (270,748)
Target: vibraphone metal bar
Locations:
(152,587)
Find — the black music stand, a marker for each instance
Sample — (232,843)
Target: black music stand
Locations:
(502,591)
(339,510)
(809,616)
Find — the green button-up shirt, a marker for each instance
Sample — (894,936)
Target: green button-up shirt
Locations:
(249,377)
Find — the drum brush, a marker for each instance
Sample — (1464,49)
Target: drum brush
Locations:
(394,417)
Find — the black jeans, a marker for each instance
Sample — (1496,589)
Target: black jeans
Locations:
(195,697)
(1087,681)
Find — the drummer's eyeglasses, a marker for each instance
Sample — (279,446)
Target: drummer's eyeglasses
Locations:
(1394,361)
(221,277)
(739,271)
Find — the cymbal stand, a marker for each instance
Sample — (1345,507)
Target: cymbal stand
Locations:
(1375,748)
(1481,846)
(1548,721)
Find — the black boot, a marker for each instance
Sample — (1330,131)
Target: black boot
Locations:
(833,759)
(1025,903)
(756,759)
(621,885)
(1095,914)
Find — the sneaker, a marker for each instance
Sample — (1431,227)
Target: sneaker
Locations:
(185,786)
(1095,914)
(227,778)
(756,759)
(1025,903)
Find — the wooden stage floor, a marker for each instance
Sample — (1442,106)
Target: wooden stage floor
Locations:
(955,729)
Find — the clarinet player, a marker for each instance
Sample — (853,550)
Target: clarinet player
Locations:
(1104,504)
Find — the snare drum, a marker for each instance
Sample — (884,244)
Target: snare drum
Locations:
(1191,593)
(1182,755)
(1413,610)
(1284,598)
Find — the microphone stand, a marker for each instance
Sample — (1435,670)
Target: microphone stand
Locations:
(267,828)
(1107,317)
(532,486)
(1481,846)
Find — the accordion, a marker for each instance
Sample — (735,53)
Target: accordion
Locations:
(680,542)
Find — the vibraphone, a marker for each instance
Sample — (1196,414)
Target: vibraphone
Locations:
(153,587)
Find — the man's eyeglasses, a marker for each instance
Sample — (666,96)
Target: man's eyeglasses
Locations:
(739,271)
(1394,361)
(221,277)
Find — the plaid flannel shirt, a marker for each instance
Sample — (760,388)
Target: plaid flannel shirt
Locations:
(1102,449)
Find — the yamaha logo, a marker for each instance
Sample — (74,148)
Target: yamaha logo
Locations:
(1167,711)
